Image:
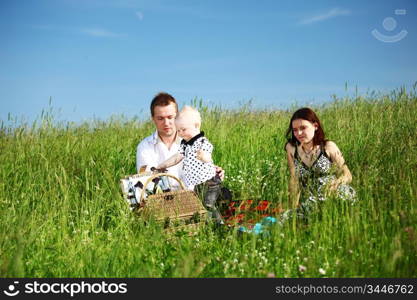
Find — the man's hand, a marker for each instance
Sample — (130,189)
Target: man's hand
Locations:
(159,170)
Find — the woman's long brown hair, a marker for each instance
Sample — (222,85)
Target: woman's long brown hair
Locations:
(308,114)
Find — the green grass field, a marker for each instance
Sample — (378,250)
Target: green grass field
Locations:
(62,213)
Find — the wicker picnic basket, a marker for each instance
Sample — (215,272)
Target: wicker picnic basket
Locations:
(178,208)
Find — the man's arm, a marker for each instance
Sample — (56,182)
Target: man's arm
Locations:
(172,161)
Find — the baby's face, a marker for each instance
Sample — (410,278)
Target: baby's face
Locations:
(186,130)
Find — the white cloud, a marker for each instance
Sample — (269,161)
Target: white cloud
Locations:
(91,31)
(335,12)
(139,14)
(98,32)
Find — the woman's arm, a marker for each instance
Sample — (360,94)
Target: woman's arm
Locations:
(293,188)
(172,161)
(343,174)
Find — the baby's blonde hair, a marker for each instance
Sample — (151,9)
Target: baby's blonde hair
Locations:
(189,114)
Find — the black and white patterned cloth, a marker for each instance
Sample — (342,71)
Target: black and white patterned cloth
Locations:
(313,182)
(194,170)
(314,179)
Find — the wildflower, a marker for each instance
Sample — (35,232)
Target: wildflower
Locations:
(322,271)
(270,275)
(302,268)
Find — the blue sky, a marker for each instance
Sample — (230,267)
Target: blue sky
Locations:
(96,58)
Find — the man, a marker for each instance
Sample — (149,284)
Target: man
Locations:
(164,142)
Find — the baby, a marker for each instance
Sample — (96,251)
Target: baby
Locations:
(199,172)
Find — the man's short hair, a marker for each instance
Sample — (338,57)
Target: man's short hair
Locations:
(163,99)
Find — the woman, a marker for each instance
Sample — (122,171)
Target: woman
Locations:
(317,167)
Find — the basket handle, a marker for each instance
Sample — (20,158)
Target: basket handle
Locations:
(142,194)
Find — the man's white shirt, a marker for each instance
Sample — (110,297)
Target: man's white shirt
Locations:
(151,151)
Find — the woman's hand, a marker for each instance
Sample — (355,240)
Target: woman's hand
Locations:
(333,185)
